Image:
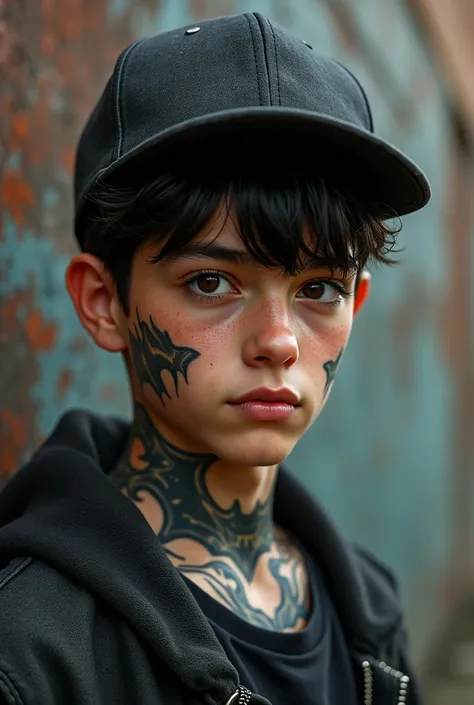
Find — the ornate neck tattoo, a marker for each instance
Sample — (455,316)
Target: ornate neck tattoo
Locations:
(177,480)
(230,543)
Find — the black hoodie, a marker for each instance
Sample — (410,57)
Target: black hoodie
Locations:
(92,612)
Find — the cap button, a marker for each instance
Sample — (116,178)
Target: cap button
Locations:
(193,30)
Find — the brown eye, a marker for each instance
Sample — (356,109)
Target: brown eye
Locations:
(313,290)
(321,291)
(208,283)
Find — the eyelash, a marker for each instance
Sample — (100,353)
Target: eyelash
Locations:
(344,291)
(202,297)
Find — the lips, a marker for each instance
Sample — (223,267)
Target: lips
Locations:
(284,395)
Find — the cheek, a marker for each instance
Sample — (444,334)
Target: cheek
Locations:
(215,341)
(326,343)
(211,340)
(217,338)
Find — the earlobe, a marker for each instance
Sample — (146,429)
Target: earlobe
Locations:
(93,295)
(362,291)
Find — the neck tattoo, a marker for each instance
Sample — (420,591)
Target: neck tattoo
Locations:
(228,547)
(177,481)
(233,542)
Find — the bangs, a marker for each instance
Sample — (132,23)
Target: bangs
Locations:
(284,221)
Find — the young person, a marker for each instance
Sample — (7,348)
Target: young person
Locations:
(229,195)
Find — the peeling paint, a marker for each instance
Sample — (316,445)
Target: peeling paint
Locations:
(17,195)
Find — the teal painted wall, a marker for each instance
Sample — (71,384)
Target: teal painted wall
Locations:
(391,454)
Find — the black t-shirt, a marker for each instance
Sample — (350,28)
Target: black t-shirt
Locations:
(309,667)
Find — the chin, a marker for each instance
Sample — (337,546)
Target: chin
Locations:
(256,448)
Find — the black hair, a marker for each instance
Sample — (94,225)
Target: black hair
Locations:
(283,220)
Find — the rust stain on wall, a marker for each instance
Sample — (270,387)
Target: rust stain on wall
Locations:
(64,383)
(17,195)
(54,60)
(19,372)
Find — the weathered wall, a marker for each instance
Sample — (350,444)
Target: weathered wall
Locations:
(391,455)
(449,26)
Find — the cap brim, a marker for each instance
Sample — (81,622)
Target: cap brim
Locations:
(357,159)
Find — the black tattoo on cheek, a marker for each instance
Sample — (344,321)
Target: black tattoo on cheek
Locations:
(153,351)
(330,367)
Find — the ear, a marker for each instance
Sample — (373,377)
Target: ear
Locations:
(94,296)
(362,291)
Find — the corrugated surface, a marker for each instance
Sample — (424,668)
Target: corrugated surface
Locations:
(392,454)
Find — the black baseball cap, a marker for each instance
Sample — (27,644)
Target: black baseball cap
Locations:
(239,85)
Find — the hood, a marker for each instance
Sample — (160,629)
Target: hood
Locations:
(61,508)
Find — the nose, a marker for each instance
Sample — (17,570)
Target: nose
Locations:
(271,341)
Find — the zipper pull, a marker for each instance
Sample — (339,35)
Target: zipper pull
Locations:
(368,683)
(402,679)
(241,696)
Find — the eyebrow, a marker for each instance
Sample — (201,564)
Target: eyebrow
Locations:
(198,250)
(202,250)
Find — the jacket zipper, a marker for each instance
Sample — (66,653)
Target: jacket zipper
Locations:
(241,696)
(369,682)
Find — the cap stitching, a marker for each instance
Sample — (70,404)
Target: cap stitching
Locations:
(116,154)
(277,67)
(266,41)
(256,62)
(364,95)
